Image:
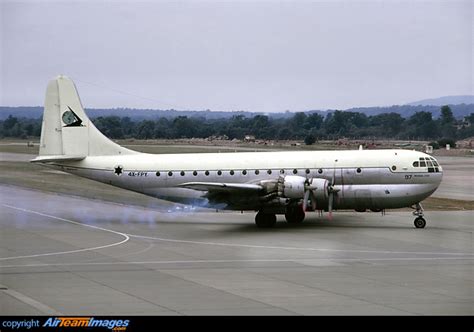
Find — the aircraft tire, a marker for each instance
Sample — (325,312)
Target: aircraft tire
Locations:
(294,215)
(265,220)
(420,222)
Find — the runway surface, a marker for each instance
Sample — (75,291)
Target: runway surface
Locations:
(61,254)
(458,178)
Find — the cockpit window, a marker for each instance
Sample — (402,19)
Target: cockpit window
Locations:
(429,162)
(435,164)
(430,166)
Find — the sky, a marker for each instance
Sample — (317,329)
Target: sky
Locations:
(259,56)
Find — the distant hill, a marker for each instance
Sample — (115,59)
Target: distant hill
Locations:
(459,111)
(447,100)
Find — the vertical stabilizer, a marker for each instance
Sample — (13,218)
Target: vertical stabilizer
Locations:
(51,139)
(67,130)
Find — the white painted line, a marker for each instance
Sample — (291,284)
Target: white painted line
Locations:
(207,261)
(151,245)
(126,237)
(43,308)
(299,248)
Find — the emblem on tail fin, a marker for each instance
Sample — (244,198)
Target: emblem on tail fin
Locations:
(71,119)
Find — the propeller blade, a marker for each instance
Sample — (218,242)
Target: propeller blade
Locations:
(331,197)
(305,199)
(313,201)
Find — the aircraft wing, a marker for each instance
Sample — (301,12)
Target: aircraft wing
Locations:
(229,188)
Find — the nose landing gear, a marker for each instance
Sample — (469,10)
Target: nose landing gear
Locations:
(419,222)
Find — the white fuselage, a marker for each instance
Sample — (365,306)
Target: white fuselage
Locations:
(372,179)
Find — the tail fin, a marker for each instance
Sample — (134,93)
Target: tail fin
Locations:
(67,132)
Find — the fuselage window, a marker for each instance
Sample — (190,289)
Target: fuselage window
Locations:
(206,172)
(307,171)
(182,173)
(158,174)
(195,173)
(282,171)
(320,171)
(295,171)
(394,168)
(231,172)
(170,173)
(358,170)
(244,172)
(219,172)
(416,164)
(269,171)
(257,172)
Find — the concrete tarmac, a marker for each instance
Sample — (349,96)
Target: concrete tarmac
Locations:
(61,254)
(458,178)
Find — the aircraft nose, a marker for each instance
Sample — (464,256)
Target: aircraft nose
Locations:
(438,178)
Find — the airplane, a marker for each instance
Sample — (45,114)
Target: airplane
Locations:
(289,182)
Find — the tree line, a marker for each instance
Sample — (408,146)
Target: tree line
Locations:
(301,126)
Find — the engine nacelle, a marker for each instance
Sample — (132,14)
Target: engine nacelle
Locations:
(294,187)
(319,187)
(291,186)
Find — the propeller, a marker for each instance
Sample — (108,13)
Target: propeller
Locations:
(315,186)
(331,192)
(309,194)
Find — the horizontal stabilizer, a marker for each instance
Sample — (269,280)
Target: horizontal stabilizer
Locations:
(56,158)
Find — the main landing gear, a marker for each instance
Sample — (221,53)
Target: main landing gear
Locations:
(265,220)
(420,222)
(294,214)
